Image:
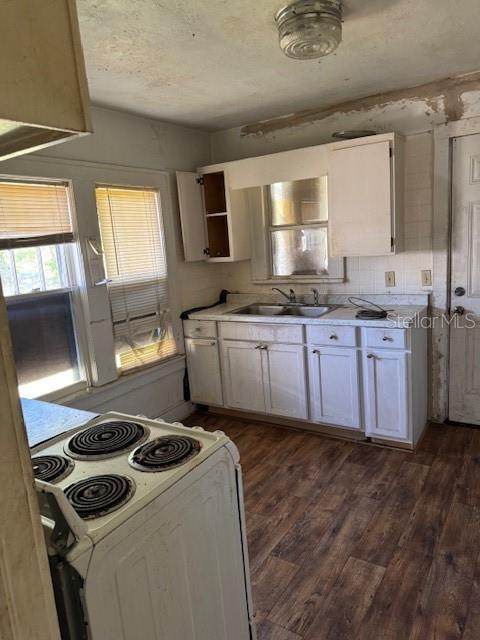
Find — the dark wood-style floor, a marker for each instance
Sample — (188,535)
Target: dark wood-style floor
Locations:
(350,541)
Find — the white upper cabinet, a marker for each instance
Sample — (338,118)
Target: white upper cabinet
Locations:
(44,97)
(365,185)
(214,218)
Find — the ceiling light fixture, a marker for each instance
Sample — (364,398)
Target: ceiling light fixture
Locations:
(310,28)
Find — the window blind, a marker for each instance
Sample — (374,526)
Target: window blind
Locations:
(34,214)
(135,263)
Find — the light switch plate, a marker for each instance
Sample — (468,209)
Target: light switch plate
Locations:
(389,278)
(426,278)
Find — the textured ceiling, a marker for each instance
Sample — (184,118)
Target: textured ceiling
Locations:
(216,63)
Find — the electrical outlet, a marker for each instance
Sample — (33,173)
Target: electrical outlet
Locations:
(426,278)
(389,278)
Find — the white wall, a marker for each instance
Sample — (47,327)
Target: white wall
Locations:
(123,140)
(132,141)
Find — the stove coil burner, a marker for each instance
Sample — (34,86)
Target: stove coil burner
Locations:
(51,468)
(105,440)
(98,495)
(166,452)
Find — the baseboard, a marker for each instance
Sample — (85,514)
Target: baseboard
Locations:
(333,431)
(178,413)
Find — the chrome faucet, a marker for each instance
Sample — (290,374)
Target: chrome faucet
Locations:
(316,297)
(291,297)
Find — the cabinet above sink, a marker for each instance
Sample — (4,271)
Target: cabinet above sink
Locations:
(351,190)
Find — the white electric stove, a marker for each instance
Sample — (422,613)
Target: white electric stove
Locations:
(145,530)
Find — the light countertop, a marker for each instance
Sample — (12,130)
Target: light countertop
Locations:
(45,420)
(399,316)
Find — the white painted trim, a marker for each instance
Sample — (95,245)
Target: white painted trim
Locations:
(129,382)
(441,234)
(178,413)
(83,176)
(100,165)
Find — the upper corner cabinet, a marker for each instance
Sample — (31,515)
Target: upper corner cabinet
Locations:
(214,218)
(365,188)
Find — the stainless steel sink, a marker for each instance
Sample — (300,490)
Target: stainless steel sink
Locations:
(307,311)
(262,310)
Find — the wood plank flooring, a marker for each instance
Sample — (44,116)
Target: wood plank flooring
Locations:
(353,542)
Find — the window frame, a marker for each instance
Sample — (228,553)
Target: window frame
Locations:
(262,245)
(97,334)
(162,235)
(74,276)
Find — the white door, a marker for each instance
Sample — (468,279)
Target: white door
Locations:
(360,197)
(242,375)
(464,387)
(334,386)
(204,370)
(192,216)
(285,382)
(386,395)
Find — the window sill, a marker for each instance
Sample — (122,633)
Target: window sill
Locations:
(60,395)
(128,381)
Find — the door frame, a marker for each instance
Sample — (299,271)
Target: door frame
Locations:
(443,135)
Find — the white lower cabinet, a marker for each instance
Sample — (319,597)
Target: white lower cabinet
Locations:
(204,371)
(269,378)
(372,379)
(334,386)
(285,380)
(386,394)
(242,375)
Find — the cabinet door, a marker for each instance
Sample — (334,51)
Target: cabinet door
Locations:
(334,386)
(204,371)
(192,216)
(360,212)
(386,394)
(284,376)
(242,371)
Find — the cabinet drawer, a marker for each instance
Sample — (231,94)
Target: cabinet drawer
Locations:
(332,335)
(385,338)
(200,328)
(286,333)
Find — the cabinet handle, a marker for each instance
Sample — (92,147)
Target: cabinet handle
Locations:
(370,356)
(387,339)
(258,346)
(315,351)
(198,328)
(333,337)
(264,347)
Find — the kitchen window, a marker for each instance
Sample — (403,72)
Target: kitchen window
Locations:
(290,233)
(36,254)
(298,227)
(136,268)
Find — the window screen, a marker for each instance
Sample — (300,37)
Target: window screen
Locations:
(135,263)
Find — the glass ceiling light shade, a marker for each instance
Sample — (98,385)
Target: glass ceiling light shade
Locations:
(310,28)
